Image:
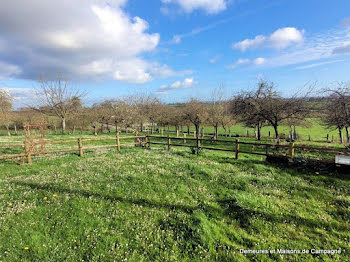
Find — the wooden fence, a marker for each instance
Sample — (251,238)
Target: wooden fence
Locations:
(237,147)
(28,151)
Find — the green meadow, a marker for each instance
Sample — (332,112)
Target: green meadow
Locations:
(154,205)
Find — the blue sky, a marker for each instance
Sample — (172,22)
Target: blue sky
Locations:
(174,49)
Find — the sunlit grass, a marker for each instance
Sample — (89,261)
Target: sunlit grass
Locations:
(153,205)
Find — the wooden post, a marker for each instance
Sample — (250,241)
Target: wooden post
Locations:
(184,138)
(28,153)
(80,146)
(177,133)
(309,138)
(327,138)
(194,133)
(118,141)
(237,148)
(147,141)
(291,150)
(169,143)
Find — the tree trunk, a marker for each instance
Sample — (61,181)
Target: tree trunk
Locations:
(73,130)
(275,127)
(197,138)
(141,127)
(16,132)
(340,135)
(295,134)
(258,132)
(8,130)
(347,134)
(188,130)
(216,131)
(63,126)
(116,126)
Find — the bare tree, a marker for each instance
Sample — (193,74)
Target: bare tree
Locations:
(195,112)
(216,110)
(5,109)
(226,118)
(120,111)
(58,98)
(337,109)
(244,108)
(265,104)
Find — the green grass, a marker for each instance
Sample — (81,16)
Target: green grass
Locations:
(151,205)
(315,129)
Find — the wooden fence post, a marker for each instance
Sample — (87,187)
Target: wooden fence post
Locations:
(291,150)
(118,141)
(237,148)
(184,138)
(169,143)
(27,152)
(80,146)
(177,133)
(148,142)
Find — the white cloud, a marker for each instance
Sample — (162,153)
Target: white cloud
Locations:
(317,64)
(178,38)
(214,59)
(7,70)
(94,39)
(344,49)
(258,61)
(319,46)
(186,84)
(209,6)
(280,39)
(21,96)
(345,22)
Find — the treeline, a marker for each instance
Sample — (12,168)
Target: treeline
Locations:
(61,106)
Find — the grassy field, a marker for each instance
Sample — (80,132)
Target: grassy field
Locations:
(151,205)
(314,128)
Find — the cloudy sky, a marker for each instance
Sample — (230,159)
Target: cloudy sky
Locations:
(174,49)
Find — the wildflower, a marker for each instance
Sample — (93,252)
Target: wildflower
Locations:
(10,204)
(54,195)
(45,198)
(25,200)
(26,248)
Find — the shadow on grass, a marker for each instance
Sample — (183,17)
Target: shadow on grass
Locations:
(229,208)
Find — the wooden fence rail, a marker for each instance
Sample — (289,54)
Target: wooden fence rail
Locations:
(291,147)
(148,140)
(29,145)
